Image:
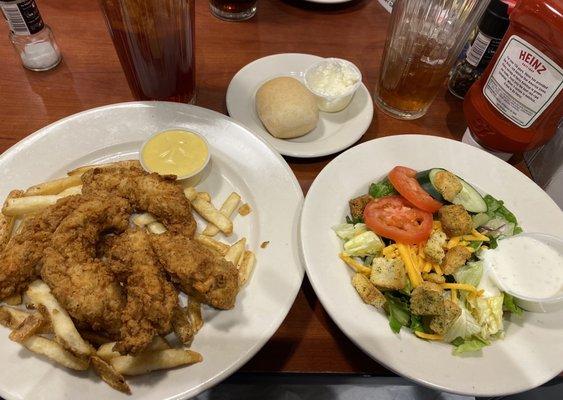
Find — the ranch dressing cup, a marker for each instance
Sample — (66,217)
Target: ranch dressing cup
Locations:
(529,266)
(333,81)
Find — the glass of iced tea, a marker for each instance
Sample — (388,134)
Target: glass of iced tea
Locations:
(423,41)
(154,40)
(233,10)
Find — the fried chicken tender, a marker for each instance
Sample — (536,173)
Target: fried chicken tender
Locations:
(21,259)
(200,274)
(151,299)
(83,285)
(159,195)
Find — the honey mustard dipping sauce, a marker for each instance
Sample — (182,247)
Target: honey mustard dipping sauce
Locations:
(175,152)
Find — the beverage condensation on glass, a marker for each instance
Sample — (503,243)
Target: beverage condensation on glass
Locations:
(154,40)
(423,41)
(233,10)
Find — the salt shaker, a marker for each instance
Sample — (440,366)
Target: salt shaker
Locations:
(31,37)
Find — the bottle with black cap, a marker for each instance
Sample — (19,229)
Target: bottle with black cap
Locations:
(492,27)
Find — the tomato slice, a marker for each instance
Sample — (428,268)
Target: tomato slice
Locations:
(395,218)
(404,181)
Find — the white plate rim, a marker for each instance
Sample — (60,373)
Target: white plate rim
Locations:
(316,278)
(289,148)
(274,324)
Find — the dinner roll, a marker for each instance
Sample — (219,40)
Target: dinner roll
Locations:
(286,108)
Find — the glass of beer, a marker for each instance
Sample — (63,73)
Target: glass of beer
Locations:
(423,41)
(233,10)
(154,40)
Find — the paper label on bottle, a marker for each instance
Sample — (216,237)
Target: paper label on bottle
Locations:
(22,16)
(523,82)
(478,49)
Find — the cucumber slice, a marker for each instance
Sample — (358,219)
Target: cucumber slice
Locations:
(425,179)
(470,198)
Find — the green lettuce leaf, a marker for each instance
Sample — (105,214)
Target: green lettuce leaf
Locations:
(381,189)
(508,304)
(364,244)
(463,327)
(496,208)
(472,344)
(348,231)
(397,311)
(470,273)
(488,314)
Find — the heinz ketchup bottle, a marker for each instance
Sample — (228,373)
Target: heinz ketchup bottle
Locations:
(517,103)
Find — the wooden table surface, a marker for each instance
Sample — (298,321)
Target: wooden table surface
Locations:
(90,76)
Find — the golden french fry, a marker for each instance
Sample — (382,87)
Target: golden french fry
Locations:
(106,352)
(7,222)
(143,219)
(245,267)
(13,300)
(155,360)
(182,325)
(55,352)
(212,244)
(55,186)
(190,193)
(26,205)
(63,326)
(109,375)
(229,206)
(236,251)
(30,326)
(124,164)
(71,191)
(211,214)
(31,204)
(204,196)
(194,312)
(156,227)
(11,317)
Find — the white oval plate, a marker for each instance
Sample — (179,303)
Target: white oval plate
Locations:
(238,160)
(334,132)
(532,351)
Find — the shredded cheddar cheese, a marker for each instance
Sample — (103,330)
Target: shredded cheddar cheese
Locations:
(428,336)
(356,266)
(459,286)
(437,269)
(454,295)
(412,271)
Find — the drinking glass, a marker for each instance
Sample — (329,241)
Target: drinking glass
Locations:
(233,10)
(154,40)
(423,41)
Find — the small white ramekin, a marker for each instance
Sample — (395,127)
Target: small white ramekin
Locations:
(192,178)
(333,103)
(543,305)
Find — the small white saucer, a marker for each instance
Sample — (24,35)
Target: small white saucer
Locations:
(334,132)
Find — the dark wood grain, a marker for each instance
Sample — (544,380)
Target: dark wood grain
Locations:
(90,76)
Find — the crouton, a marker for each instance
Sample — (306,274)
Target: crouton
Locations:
(447,184)
(434,278)
(358,204)
(367,291)
(434,247)
(427,299)
(455,220)
(388,274)
(454,259)
(442,322)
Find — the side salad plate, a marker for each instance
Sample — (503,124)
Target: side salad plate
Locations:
(395,235)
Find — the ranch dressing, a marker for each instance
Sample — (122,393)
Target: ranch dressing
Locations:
(526,267)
